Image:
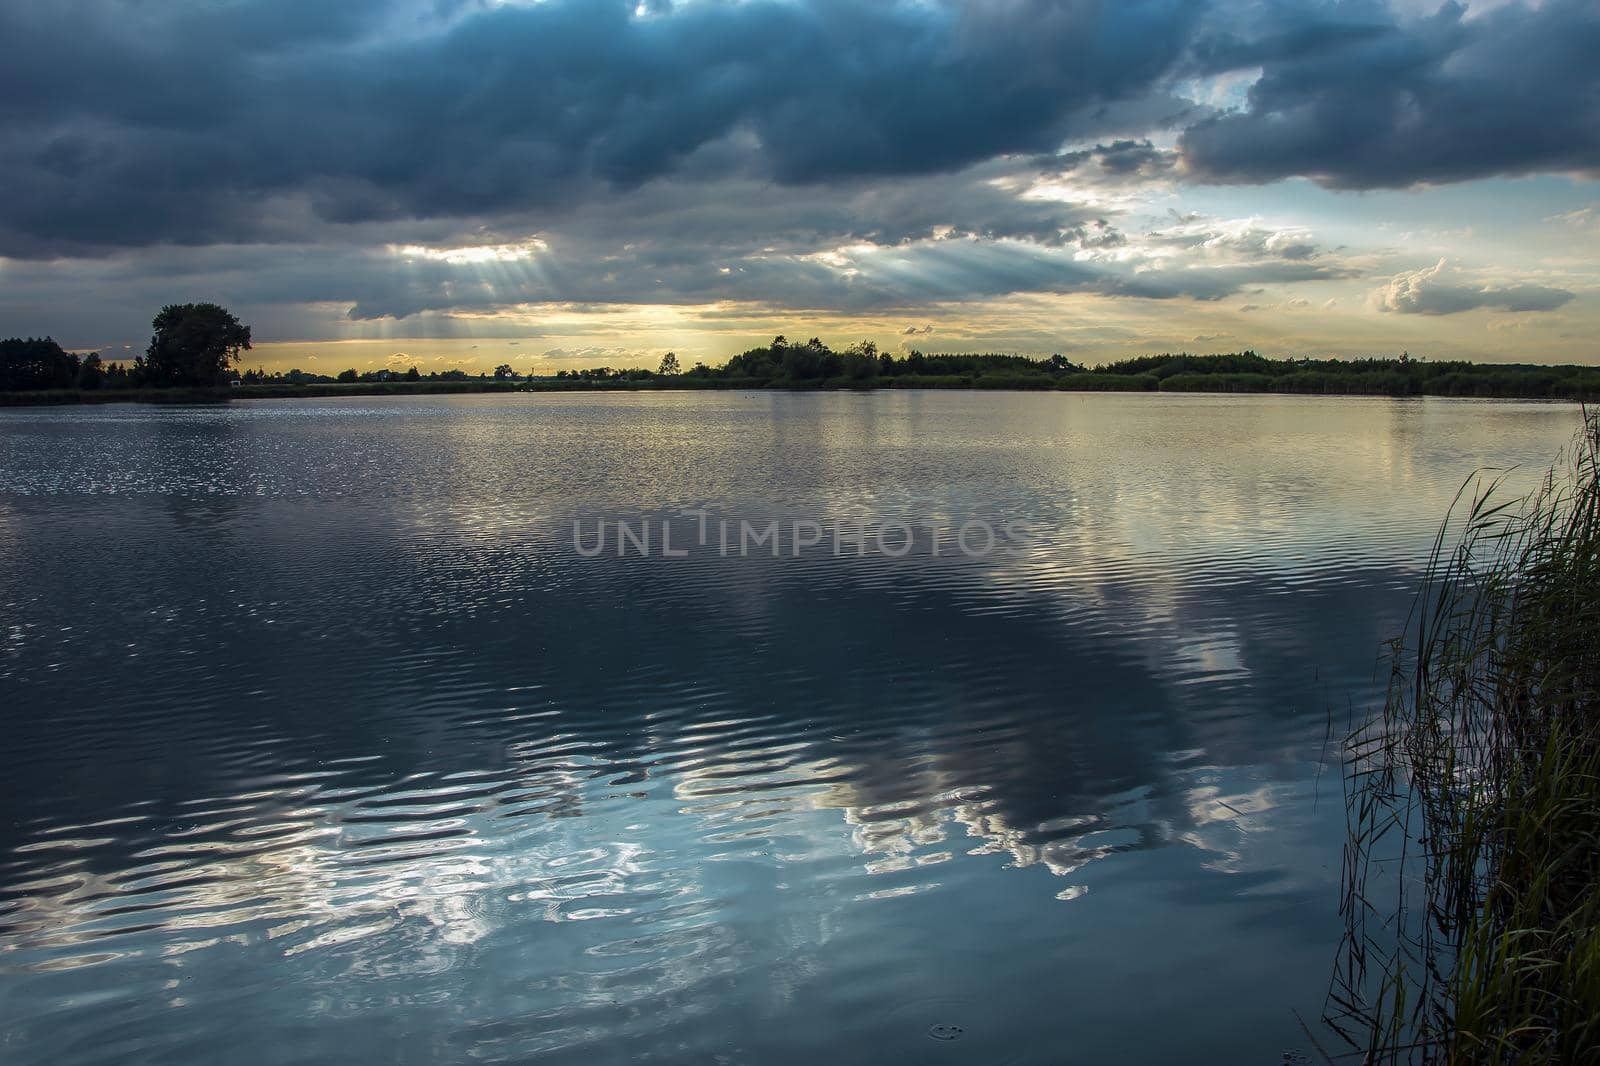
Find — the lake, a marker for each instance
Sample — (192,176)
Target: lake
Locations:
(339,731)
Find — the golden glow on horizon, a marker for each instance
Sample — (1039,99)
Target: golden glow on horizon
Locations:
(1087,328)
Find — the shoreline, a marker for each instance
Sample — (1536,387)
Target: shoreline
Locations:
(1112,383)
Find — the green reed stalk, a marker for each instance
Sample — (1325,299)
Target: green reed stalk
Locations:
(1472,870)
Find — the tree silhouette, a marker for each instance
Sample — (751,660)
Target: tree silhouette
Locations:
(194,344)
(36,364)
(669,364)
(91,372)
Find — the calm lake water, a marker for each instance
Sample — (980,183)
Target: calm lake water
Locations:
(323,742)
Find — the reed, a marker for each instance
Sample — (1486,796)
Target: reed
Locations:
(1472,869)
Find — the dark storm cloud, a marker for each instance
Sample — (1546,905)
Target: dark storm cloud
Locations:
(813,154)
(1119,163)
(1353,98)
(126,123)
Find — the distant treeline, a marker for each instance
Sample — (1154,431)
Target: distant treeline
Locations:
(192,348)
(43,369)
(34,364)
(1400,376)
(813,364)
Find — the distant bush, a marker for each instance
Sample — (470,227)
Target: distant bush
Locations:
(1217,383)
(933,381)
(1011,381)
(1108,382)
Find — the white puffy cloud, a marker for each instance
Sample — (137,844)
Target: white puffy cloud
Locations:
(1444,290)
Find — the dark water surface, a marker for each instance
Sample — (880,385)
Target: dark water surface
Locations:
(323,744)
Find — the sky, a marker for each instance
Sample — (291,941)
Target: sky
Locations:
(565,183)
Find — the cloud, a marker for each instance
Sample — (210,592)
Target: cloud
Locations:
(1581,218)
(1357,97)
(332,169)
(1123,162)
(1234,239)
(1439,290)
(289,116)
(871,249)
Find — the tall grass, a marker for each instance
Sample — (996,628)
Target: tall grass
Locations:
(1472,872)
